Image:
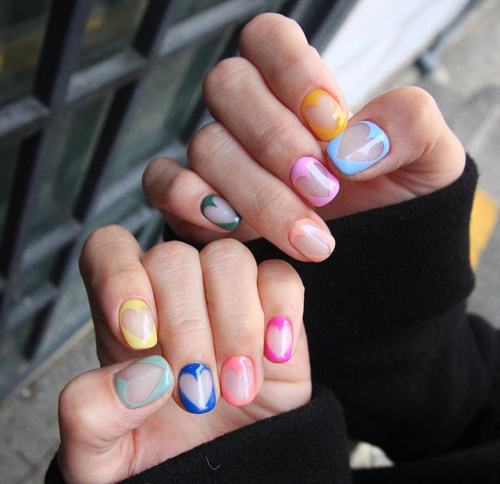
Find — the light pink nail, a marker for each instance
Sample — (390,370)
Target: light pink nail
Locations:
(313,181)
(279,338)
(238,380)
(311,240)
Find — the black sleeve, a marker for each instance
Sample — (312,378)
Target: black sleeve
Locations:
(387,328)
(306,445)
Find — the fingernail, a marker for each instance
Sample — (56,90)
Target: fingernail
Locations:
(196,388)
(137,324)
(238,380)
(279,338)
(313,181)
(360,146)
(144,381)
(219,212)
(311,240)
(323,115)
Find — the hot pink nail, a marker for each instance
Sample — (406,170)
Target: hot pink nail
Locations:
(279,338)
(238,381)
(313,181)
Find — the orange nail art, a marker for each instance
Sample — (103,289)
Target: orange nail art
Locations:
(323,115)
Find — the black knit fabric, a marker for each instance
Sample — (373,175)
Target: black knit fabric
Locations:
(395,359)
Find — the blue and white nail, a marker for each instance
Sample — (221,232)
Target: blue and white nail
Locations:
(196,388)
(358,147)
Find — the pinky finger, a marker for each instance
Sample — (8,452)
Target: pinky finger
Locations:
(174,189)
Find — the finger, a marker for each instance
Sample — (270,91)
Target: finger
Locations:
(240,99)
(173,189)
(119,291)
(100,407)
(401,130)
(230,275)
(264,201)
(185,333)
(298,77)
(282,297)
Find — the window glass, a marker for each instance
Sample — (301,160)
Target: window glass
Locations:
(8,157)
(110,29)
(69,160)
(166,101)
(22,28)
(187,8)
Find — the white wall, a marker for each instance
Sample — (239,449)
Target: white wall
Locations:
(381,36)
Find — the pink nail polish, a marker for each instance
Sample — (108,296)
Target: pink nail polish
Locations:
(279,338)
(238,381)
(313,181)
(311,240)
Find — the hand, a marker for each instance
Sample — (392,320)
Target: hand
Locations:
(208,310)
(252,156)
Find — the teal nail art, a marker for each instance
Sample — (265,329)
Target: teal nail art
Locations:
(143,381)
(219,212)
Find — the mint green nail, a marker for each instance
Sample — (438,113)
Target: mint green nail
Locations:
(143,381)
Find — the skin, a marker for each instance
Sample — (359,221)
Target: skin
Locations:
(214,305)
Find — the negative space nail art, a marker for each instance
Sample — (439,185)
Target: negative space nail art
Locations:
(219,212)
(196,388)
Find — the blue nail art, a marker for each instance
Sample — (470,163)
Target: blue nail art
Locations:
(143,381)
(358,147)
(196,388)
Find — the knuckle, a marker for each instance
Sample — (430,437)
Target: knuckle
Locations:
(420,107)
(176,189)
(167,254)
(189,332)
(226,250)
(265,23)
(223,75)
(204,145)
(75,413)
(269,200)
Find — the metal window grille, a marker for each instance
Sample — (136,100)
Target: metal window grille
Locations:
(73,144)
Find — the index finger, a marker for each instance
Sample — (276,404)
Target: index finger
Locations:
(298,77)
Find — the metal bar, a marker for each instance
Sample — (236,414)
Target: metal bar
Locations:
(21,119)
(204,24)
(62,42)
(52,241)
(108,75)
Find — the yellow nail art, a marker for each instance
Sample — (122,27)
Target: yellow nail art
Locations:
(137,324)
(323,115)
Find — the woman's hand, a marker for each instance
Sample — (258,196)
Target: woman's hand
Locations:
(264,156)
(213,316)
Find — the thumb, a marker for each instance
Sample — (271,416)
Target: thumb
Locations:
(98,412)
(400,129)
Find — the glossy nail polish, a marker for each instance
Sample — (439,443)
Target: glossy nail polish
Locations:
(279,339)
(360,146)
(238,380)
(313,181)
(196,388)
(143,381)
(323,115)
(137,324)
(219,212)
(311,241)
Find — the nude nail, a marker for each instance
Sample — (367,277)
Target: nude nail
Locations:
(311,240)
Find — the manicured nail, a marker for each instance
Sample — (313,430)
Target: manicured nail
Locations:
(238,380)
(144,381)
(196,388)
(360,146)
(137,324)
(279,338)
(314,181)
(323,115)
(311,240)
(219,212)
